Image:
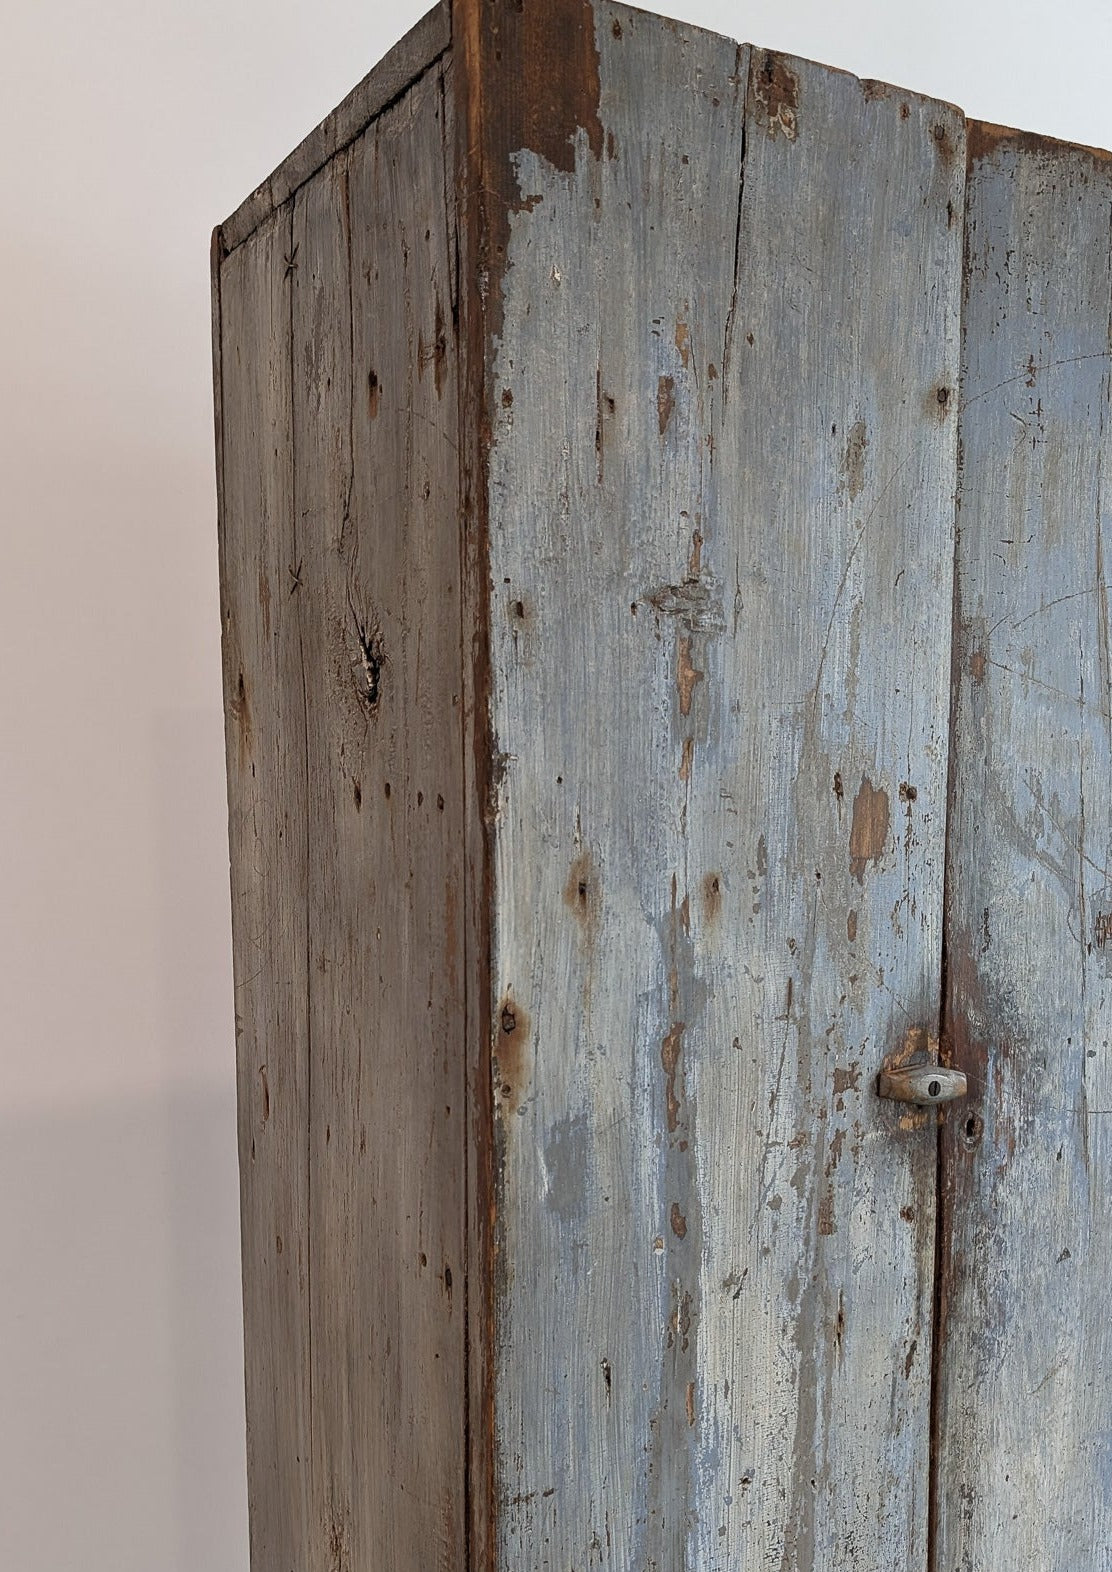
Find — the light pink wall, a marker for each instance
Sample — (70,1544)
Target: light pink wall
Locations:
(129,128)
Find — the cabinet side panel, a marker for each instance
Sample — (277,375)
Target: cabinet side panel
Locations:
(721,528)
(1025,1447)
(265,731)
(375,436)
(342,586)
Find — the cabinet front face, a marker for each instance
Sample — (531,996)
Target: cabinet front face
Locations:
(747,1313)
(721,531)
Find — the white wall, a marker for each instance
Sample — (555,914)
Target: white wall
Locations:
(129,128)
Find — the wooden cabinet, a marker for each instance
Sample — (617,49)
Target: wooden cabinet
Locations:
(668,683)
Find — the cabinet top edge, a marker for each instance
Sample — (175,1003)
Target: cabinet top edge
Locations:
(986,139)
(430,39)
(399,68)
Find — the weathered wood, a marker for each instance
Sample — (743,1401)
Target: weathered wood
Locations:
(587,642)
(342,574)
(412,55)
(265,732)
(720,511)
(1023,1456)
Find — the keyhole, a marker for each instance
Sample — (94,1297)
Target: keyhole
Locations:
(934,1088)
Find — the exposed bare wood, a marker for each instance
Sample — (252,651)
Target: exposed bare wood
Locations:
(587,432)
(342,572)
(265,731)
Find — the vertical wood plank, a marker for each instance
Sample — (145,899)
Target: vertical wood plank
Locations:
(720,511)
(375,417)
(266,762)
(822,813)
(1024,1454)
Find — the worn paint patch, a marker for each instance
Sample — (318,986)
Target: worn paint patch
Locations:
(687,675)
(550,55)
(665,402)
(683,343)
(775,95)
(670,1051)
(868,836)
(853,460)
(693,603)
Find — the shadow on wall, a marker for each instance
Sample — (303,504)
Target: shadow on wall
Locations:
(119,1290)
(122,1445)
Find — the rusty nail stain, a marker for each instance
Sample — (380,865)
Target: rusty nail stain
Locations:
(510,1050)
(690,1402)
(978,661)
(688,756)
(683,344)
(679,1221)
(851,927)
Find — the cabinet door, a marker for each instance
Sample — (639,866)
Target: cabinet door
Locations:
(721,524)
(1025,1401)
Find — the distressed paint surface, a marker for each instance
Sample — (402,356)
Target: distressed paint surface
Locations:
(719,620)
(342,578)
(1024,1446)
(566,955)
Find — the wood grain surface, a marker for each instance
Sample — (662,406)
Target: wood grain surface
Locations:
(592,396)
(721,509)
(342,594)
(265,732)
(1024,1446)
